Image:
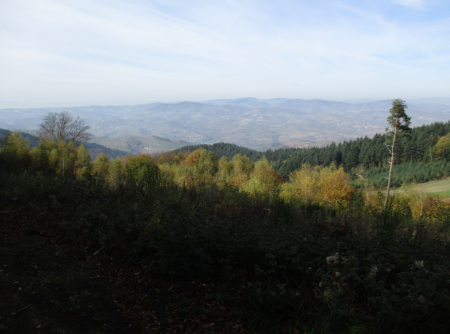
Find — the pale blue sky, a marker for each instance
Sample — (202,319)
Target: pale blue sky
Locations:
(72,53)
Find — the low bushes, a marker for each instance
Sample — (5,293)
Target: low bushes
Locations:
(334,275)
(294,266)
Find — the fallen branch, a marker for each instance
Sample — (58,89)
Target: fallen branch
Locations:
(28,306)
(97,252)
(25,308)
(98,277)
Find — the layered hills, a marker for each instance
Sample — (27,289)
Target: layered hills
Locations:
(250,122)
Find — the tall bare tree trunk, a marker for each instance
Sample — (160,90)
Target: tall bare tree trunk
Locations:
(392,165)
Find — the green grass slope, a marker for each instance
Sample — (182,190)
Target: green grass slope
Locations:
(441,187)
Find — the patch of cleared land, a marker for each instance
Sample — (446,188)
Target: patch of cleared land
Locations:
(139,144)
(441,187)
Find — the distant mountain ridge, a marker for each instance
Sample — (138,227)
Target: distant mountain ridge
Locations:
(250,122)
(247,102)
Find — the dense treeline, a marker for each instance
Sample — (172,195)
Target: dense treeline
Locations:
(428,143)
(32,140)
(309,255)
(201,169)
(365,152)
(94,149)
(407,173)
(225,150)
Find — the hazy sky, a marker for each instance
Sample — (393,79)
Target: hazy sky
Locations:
(72,53)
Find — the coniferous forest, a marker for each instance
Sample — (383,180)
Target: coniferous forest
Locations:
(283,242)
(365,153)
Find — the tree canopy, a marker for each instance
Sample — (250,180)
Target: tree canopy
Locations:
(63,126)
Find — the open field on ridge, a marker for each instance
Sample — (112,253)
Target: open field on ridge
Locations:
(435,187)
(438,187)
(139,144)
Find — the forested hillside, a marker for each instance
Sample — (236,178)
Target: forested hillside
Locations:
(364,152)
(224,150)
(31,139)
(406,173)
(367,152)
(96,149)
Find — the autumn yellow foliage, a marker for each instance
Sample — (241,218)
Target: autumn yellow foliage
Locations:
(323,185)
(263,179)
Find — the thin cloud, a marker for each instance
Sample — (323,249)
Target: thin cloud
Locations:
(416,4)
(59,53)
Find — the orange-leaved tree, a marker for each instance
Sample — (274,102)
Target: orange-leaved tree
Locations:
(334,186)
(322,185)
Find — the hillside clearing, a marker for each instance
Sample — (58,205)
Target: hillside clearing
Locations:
(434,187)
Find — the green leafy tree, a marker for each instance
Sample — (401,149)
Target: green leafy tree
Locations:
(84,158)
(84,162)
(399,123)
(63,157)
(442,149)
(242,167)
(141,172)
(41,155)
(101,166)
(263,179)
(225,168)
(15,152)
(72,158)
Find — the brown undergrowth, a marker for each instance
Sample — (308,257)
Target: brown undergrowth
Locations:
(58,283)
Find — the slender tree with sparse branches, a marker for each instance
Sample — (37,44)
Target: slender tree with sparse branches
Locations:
(399,123)
(63,126)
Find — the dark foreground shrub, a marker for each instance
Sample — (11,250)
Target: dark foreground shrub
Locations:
(301,269)
(319,273)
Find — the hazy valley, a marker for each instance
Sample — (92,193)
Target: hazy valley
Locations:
(250,122)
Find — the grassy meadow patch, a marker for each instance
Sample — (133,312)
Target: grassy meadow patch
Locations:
(441,187)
